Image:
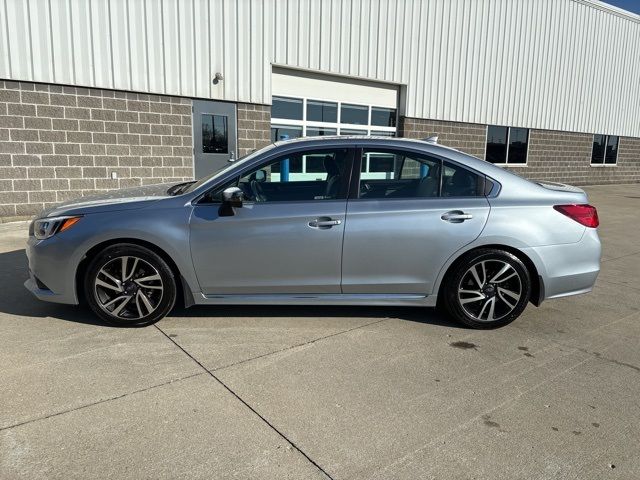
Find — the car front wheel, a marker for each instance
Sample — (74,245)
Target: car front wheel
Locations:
(129,285)
(487,288)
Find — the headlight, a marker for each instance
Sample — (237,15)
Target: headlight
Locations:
(44,228)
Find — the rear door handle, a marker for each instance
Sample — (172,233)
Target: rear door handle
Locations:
(456,216)
(324,222)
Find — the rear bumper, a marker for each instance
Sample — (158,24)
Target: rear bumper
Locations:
(568,269)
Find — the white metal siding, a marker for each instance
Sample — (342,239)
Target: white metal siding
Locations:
(552,64)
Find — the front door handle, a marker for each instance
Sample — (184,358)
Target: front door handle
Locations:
(324,222)
(456,216)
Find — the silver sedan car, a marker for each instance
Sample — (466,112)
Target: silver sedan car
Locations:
(337,220)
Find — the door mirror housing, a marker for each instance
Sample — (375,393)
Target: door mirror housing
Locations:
(231,197)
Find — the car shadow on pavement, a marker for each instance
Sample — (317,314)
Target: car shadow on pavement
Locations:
(16,300)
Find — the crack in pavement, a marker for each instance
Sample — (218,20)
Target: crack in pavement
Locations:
(105,400)
(246,404)
(291,347)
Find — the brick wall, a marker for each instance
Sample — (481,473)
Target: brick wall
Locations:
(467,137)
(254,127)
(566,157)
(59,143)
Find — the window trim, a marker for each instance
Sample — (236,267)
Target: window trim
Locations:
(604,158)
(304,123)
(506,163)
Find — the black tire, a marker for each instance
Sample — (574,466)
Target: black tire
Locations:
(159,293)
(490,306)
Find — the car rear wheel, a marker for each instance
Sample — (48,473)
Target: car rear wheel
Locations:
(129,285)
(487,288)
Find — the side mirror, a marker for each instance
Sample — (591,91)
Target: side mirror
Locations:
(231,197)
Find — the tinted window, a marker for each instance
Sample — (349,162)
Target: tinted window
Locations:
(355,114)
(497,144)
(322,111)
(383,117)
(611,155)
(285,132)
(460,182)
(597,152)
(398,174)
(320,131)
(352,131)
(507,144)
(289,108)
(215,134)
(324,177)
(518,138)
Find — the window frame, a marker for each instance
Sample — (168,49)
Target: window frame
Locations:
(604,154)
(354,187)
(304,123)
(506,163)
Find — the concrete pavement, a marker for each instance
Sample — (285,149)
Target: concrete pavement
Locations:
(344,393)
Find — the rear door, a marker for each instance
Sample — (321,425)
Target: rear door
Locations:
(412,212)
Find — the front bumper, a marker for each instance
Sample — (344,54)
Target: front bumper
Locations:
(51,271)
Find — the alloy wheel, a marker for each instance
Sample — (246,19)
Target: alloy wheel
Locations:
(128,288)
(490,290)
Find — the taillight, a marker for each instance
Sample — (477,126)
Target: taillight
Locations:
(586,215)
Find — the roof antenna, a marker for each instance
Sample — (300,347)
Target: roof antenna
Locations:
(431,139)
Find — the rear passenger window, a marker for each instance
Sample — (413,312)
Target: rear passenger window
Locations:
(397,174)
(401,174)
(460,182)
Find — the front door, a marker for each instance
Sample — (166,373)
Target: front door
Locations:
(412,214)
(287,237)
(214,132)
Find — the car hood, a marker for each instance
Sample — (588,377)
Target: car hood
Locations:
(124,199)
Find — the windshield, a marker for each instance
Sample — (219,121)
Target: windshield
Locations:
(225,169)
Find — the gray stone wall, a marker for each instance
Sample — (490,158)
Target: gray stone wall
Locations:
(566,157)
(467,137)
(553,155)
(58,143)
(254,127)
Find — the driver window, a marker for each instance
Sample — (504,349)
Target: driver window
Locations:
(299,176)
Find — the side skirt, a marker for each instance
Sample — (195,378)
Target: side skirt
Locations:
(318,299)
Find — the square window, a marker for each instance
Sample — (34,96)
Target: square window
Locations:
(322,111)
(383,117)
(354,114)
(287,108)
(507,145)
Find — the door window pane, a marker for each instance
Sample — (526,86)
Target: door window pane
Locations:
(518,138)
(497,144)
(398,174)
(289,108)
(597,151)
(215,134)
(324,179)
(383,117)
(352,131)
(322,111)
(284,132)
(320,131)
(460,182)
(611,155)
(354,114)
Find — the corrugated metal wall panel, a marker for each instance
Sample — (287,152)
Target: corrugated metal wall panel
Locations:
(554,64)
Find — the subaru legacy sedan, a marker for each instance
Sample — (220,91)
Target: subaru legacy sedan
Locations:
(331,221)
